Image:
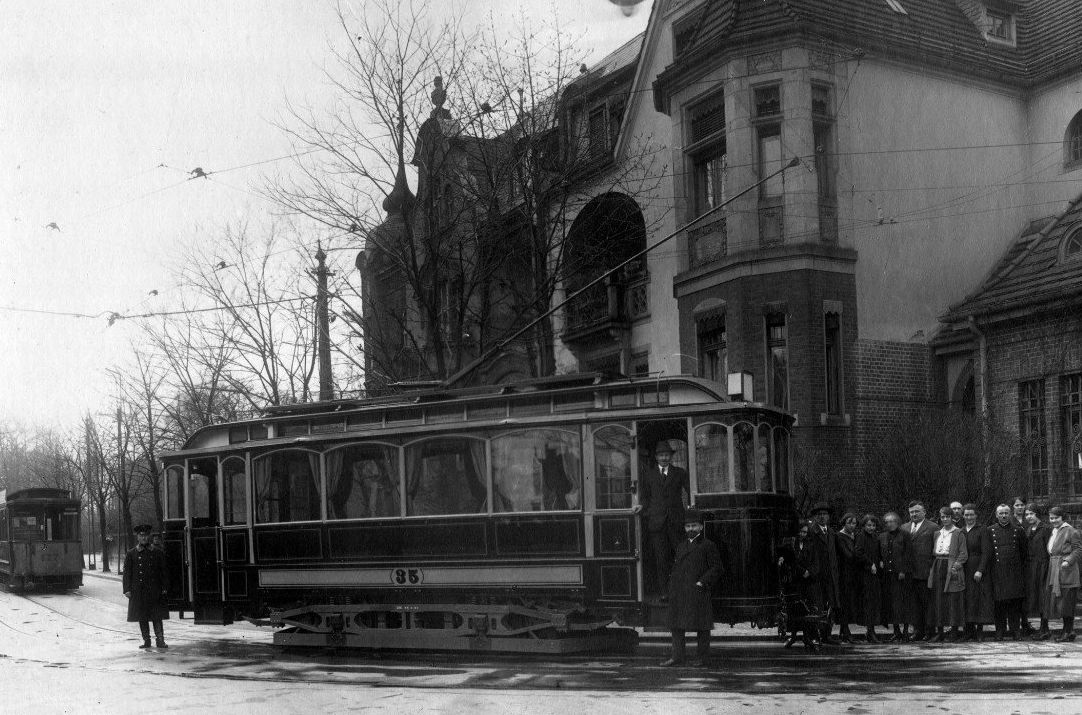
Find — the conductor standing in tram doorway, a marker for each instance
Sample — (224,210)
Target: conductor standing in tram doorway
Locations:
(695,574)
(663,493)
(145,585)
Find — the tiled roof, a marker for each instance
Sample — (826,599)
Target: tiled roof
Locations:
(1029,273)
(1049,33)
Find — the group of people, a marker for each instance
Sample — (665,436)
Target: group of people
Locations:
(942,581)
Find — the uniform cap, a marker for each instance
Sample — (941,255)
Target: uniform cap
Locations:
(142,528)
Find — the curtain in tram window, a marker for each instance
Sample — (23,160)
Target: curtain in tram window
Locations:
(339,483)
(477,478)
(446,477)
(265,505)
(312,510)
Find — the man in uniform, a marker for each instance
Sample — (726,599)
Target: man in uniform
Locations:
(145,585)
(663,492)
(695,573)
(921,545)
(1007,545)
(824,541)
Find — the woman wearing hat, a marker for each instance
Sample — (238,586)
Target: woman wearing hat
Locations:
(1064,553)
(695,572)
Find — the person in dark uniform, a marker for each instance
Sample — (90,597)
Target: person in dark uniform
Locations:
(956,514)
(824,541)
(663,492)
(695,573)
(980,601)
(921,542)
(1037,601)
(1007,545)
(870,562)
(894,548)
(145,584)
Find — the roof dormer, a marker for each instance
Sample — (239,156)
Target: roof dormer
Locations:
(997,20)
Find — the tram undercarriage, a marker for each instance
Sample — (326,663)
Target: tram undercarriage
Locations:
(447,626)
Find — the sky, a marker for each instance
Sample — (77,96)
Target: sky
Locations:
(105,109)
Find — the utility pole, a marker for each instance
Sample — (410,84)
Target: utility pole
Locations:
(323,327)
(119,478)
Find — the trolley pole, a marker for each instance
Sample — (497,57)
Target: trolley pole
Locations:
(323,327)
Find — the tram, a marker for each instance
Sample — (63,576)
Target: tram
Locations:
(498,518)
(39,540)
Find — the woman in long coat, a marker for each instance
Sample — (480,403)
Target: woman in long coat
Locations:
(1037,602)
(894,567)
(1064,554)
(850,582)
(869,558)
(979,599)
(947,578)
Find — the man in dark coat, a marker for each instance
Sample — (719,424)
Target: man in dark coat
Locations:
(1007,545)
(695,573)
(145,584)
(825,544)
(663,492)
(894,546)
(922,534)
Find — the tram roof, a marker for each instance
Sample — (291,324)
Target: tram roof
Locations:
(560,397)
(37,494)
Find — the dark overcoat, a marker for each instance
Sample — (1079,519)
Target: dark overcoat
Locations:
(697,561)
(825,545)
(1037,600)
(1008,550)
(146,579)
(850,582)
(662,499)
(869,555)
(894,548)
(980,602)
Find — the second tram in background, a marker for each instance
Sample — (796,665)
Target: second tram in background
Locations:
(497,517)
(39,540)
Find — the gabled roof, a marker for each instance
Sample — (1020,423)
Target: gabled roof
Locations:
(1029,274)
(935,32)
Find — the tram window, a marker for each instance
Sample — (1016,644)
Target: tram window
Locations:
(712,458)
(743,456)
(362,482)
(537,470)
(200,495)
(762,460)
(174,493)
(287,486)
(612,467)
(781,460)
(446,475)
(257,431)
(234,491)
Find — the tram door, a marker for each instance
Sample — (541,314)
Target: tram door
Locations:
(202,531)
(649,435)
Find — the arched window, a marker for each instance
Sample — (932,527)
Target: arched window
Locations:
(1072,245)
(1072,144)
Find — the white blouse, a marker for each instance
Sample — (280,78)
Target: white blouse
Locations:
(943,542)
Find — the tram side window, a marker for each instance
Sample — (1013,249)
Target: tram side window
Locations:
(744,456)
(174,493)
(612,467)
(363,482)
(762,457)
(287,486)
(446,475)
(200,495)
(3,525)
(234,491)
(712,458)
(781,460)
(537,470)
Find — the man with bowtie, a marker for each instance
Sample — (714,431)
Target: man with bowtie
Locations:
(663,493)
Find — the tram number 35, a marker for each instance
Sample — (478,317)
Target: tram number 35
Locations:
(407,577)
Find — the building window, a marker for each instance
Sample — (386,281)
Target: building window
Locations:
(1072,245)
(1072,145)
(1000,26)
(713,349)
(777,360)
(1071,407)
(640,364)
(771,193)
(832,337)
(767,101)
(599,129)
(1033,436)
(707,154)
(825,164)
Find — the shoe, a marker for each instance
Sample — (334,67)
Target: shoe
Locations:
(873,638)
(1065,638)
(1042,635)
(938,638)
(671,662)
(160,643)
(146,644)
(845,638)
(789,642)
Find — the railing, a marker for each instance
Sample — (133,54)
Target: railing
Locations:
(614,301)
(708,241)
(589,309)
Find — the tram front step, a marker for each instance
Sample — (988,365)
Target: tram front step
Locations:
(607,639)
(212,616)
